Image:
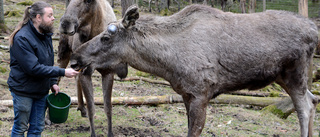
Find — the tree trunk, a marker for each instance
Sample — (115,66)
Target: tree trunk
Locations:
(243,6)
(158,5)
(165,4)
(1,12)
(205,2)
(169,99)
(112,3)
(252,6)
(223,5)
(303,7)
(264,5)
(3,27)
(282,108)
(178,4)
(149,5)
(212,3)
(125,4)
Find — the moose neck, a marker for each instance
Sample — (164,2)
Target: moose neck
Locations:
(160,44)
(104,16)
(154,52)
(151,58)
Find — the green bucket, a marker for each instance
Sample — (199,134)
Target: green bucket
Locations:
(58,107)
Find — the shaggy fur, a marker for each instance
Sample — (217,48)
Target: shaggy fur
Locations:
(204,52)
(82,20)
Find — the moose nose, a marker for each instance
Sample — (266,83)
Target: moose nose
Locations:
(73,64)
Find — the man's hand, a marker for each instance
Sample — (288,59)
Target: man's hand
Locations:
(55,88)
(69,73)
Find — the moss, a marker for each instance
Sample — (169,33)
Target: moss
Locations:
(272,87)
(274,94)
(315,88)
(137,82)
(165,12)
(3,70)
(116,11)
(265,89)
(25,3)
(276,87)
(273,109)
(318,108)
(13,13)
(142,74)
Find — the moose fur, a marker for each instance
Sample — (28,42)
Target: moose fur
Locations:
(82,20)
(204,52)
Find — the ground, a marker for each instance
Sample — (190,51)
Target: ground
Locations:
(146,120)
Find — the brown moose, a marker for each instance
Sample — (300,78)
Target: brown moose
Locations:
(82,20)
(204,52)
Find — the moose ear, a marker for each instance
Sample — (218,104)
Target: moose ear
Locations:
(130,17)
(87,1)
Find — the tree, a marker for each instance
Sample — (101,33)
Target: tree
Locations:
(243,6)
(112,3)
(125,4)
(303,7)
(264,5)
(252,6)
(223,5)
(165,4)
(3,26)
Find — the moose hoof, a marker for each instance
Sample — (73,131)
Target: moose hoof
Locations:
(83,112)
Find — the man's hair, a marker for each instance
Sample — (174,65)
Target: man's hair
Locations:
(30,13)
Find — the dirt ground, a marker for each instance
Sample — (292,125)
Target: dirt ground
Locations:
(152,121)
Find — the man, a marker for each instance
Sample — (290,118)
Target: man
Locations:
(32,72)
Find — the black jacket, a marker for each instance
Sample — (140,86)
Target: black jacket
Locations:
(31,62)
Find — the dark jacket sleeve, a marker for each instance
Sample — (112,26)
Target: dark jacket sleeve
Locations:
(29,63)
(53,81)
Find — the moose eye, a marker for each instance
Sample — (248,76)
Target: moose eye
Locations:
(112,29)
(105,38)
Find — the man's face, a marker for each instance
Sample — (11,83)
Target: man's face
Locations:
(46,25)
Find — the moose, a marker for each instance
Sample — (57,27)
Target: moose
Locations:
(204,52)
(82,20)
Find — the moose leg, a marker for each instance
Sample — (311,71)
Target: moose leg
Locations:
(87,87)
(305,107)
(81,106)
(196,112)
(64,52)
(314,105)
(186,99)
(107,83)
(295,84)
